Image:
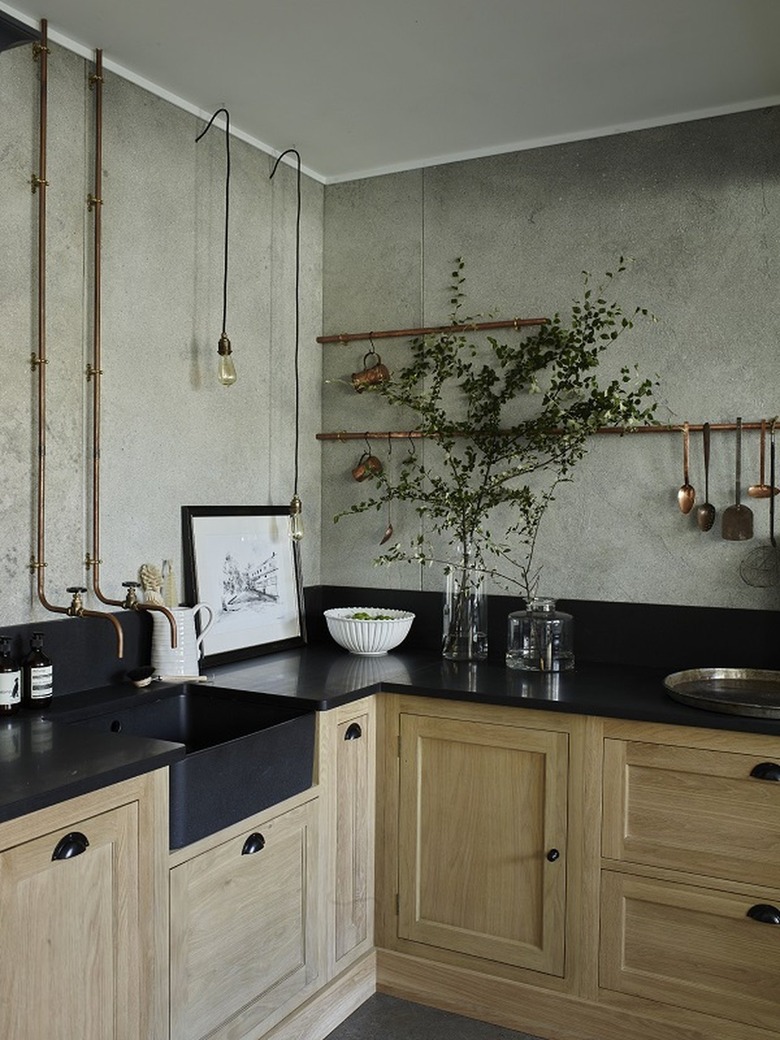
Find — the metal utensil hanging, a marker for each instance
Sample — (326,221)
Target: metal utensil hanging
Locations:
(761,566)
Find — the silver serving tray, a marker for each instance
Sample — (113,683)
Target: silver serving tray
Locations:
(736,691)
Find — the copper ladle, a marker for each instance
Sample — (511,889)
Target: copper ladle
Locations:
(686,496)
(762,489)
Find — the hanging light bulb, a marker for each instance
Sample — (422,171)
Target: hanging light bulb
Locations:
(296,519)
(226,370)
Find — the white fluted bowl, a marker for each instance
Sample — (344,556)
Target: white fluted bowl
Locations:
(368,638)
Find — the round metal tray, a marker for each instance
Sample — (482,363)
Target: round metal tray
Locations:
(736,691)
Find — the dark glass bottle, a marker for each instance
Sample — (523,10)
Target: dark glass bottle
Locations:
(10,679)
(38,678)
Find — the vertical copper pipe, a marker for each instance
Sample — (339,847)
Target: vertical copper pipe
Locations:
(39,361)
(95,371)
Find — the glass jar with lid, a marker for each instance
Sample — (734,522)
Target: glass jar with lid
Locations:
(540,639)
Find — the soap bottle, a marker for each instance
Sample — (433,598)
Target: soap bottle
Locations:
(38,677)
(10,679)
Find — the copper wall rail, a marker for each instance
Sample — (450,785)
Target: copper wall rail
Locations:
(477,326)
(376,435)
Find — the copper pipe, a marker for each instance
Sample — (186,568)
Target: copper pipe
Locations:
(478,326)
(620,430)
(95,370)
(39,360)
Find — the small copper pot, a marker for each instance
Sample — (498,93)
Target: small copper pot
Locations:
(368,466)
(370,375)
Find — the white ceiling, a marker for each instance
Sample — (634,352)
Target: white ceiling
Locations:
(363,87)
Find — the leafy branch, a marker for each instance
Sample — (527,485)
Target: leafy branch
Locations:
(505,424)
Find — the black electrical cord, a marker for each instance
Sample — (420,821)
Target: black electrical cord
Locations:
(227,205)
(296,153)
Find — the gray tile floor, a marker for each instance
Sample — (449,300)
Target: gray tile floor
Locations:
(387,1018)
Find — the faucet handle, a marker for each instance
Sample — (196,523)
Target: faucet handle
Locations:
(131,599)
(76,604)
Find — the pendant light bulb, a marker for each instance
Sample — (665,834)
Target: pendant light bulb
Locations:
(296,519)
(226,370)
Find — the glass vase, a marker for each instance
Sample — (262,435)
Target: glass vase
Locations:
(540,639)
(465,614)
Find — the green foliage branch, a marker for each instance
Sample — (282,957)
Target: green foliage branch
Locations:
(479,454)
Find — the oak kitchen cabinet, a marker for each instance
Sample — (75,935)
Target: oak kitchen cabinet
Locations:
(348,774)
(84,917)
(245,935)
(476,870)
(691,871)
(667,921)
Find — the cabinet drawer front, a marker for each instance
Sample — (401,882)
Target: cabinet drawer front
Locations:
(241,931)
(690,947)
(690,809)
(481,808)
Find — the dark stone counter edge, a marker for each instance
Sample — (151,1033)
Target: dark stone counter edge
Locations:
(71,763)
(91,762)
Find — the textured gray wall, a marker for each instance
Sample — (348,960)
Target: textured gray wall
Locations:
(171,434)
(698,208)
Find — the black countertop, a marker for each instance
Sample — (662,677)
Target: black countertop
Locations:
(326,677)
(46,760)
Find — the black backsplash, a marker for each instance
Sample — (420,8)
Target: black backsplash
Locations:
(83,650)
(641,634)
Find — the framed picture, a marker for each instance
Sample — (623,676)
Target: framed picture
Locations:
(242,561)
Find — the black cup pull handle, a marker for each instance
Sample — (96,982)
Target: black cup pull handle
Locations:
(71,845)
(552,855)
(766,771)
(765,913)
(254,843)
(354,732)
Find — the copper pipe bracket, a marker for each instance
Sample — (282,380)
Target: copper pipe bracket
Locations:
(34,565)
(96,77)
(36,359)
(38,49)
(92,371)
(93,202)
(91,561)
(37,182)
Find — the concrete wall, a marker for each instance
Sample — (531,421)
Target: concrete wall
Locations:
(698,208)
(172,435)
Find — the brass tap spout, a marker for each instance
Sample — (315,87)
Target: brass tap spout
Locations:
(168,614)
(77,609)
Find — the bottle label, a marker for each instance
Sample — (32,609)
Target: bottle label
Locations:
(10,687)
(41,682)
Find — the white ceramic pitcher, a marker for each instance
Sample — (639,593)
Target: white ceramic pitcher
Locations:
(183,660)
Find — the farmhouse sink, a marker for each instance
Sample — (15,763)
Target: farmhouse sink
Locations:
(244,751)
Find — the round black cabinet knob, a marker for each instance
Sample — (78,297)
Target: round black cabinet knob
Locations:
(552,855)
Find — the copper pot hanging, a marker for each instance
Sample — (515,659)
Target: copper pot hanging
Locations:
(370,375)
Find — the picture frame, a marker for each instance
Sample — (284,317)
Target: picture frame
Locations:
(242,562)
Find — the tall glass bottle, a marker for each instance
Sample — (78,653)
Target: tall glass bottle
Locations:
(38,675)
(465,613)
(10,679)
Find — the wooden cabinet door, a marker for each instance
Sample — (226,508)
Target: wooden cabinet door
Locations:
(482,840)
(69,933)
(691,947)
(243,928)
(354,836)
